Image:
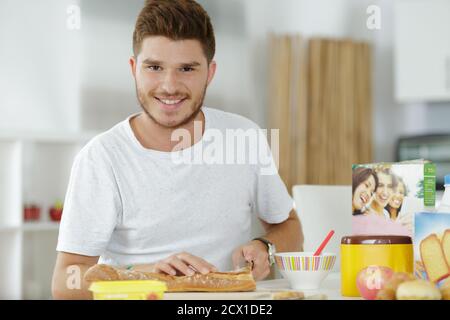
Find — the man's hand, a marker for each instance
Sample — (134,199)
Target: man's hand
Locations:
(184,264)
(256,253)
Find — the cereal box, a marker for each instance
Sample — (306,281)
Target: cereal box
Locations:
(432,246)
(385,196)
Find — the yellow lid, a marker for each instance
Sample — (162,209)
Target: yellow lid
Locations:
(128,286)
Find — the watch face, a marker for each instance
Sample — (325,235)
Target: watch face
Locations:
(272,249)
(271,254)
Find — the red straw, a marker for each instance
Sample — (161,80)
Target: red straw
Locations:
(324,243)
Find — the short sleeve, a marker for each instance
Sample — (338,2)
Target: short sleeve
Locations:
(92,205)
(272,202)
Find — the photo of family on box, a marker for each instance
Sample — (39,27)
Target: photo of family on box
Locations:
(385,196)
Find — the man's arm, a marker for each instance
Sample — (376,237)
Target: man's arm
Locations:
(287,236)
(68,282)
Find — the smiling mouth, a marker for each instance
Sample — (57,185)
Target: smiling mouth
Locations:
(364,199)
(170,104)
(397,203)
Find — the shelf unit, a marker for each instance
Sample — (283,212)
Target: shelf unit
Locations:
(34,168)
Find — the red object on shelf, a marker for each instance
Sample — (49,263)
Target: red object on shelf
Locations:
(31,213)
(56,211)
(55,214)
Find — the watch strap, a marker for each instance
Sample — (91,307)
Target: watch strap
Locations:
(270,249)
(265,241)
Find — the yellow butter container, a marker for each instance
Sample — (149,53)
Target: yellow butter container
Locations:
(359,252)
(128,290)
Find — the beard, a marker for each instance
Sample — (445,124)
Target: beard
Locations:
(195,108)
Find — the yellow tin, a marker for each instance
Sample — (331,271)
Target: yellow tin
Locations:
(128,290)
(359,252)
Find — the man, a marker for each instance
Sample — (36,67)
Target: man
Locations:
(129,204)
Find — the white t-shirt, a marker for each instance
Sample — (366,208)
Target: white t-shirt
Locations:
(132,205)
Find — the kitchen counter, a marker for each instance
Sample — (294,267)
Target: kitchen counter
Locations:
(331,287)
(330,290)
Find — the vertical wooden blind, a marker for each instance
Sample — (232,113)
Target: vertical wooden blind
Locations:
(321,100)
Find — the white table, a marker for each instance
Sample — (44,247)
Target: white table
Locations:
(331,288)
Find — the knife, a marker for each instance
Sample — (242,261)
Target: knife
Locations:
(243,264)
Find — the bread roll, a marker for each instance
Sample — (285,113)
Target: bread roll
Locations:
(241,280)
(390,288)
(418,290)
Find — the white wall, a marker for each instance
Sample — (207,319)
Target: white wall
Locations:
(39,66)
(56,79)
(107,90)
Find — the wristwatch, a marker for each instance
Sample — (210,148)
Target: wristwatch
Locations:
(270,249)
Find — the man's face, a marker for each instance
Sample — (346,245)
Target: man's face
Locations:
(385,189)
(171,79)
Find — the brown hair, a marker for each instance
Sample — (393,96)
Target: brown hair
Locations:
(359,175)
(176,20)
(387,171)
